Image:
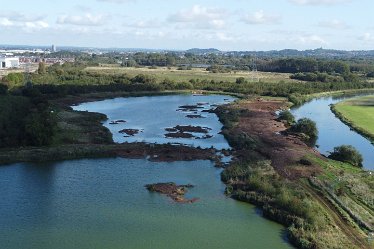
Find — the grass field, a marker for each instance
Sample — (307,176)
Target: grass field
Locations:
(358,113)
(173,73)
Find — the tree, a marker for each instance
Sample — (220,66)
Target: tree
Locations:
(347,154)
(305,126)
(41,68)
(240,80)
(3,89)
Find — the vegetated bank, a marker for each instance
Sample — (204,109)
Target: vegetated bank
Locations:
(358,113)
(323,203)
(36,127)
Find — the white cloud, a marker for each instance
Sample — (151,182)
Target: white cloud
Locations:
(334,24)
(312,39)
(201,17)
(20,17)
(27,23)
(260,17)
(5,22)
(83,20)
(145,24)
(319,2)
(117,1)
(367,37)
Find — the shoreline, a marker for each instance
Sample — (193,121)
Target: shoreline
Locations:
(261,152)
(271,163)
(369,136)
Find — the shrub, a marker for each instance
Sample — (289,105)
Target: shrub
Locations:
(305,126)
(370,75)
(286,116)
(240,80)
(348,154)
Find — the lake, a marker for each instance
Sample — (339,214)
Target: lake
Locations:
(102,203)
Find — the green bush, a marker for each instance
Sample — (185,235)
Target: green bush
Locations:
(286,116)
(348,154)
(305,126)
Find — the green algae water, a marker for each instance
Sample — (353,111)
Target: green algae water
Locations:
(103,204)
(86,204)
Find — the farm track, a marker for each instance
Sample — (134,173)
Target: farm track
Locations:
(350,232)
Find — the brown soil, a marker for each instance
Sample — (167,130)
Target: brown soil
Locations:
(209,111)
(285,151)
(179,135)
(195,116)
(190,128)
(172,190)
(130,132)
(164,153)
(117,122)
(189,108)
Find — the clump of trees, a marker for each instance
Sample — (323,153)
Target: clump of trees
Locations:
(219,69)
(3,89)
(26,119)
(347,154)
(317,77)
(307,127)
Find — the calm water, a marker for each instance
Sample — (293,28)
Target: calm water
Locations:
(102,203)
(332,132)
(153,114)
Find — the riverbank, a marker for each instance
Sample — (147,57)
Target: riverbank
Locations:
(81,134)
(358,114)
(323,203)
(299,99)
(319,200)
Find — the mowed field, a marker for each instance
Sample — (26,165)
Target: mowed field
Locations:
(176,75)
(359,112)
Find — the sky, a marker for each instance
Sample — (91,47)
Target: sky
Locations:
(171,24)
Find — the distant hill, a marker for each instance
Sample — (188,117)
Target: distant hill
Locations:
(203,51)
(317,53)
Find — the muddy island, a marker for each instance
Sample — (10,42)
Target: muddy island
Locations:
(184,131)
(172,190)
(130,132)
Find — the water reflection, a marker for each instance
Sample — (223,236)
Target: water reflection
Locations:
(332,132)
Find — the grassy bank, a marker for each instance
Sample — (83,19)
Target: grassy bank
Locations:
(358,113)
(299,99)
(172,73)
(323,203)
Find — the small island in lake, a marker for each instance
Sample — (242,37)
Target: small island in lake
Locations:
(172,190)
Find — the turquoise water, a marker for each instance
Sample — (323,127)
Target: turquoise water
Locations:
(333,132)
(102,203)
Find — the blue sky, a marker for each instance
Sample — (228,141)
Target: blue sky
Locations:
(170,24)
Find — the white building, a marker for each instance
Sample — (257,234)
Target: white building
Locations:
(9,62)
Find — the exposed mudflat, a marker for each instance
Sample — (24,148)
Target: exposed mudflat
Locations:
(130,132)
(172,190)
(284,150)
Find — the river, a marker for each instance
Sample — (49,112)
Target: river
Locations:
(333,132)
(102,203)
